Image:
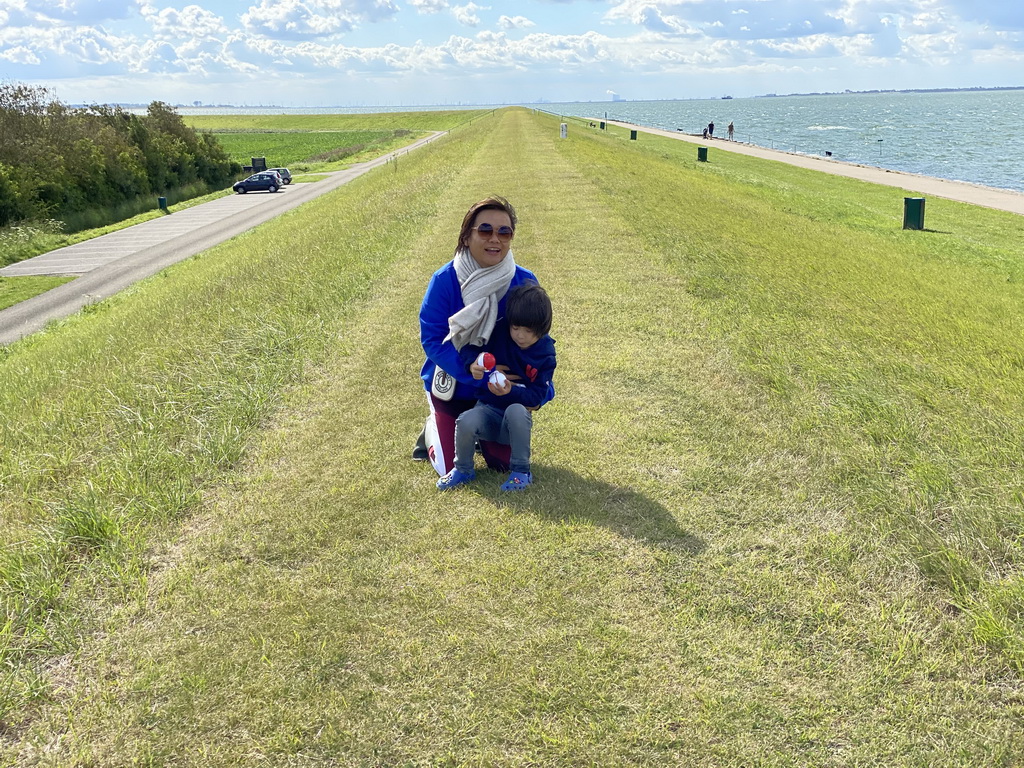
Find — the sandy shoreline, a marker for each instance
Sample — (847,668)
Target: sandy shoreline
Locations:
(975,194)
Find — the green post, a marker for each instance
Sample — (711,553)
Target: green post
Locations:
(702,154)
(913,213)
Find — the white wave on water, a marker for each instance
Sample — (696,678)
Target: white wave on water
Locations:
(829,128)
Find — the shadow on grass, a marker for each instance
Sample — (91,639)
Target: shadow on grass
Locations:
(561,495)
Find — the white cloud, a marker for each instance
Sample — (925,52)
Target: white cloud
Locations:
(515,22)
(293,20)
(190,21)
(428,6)
(765,19)
(304,19)
(466,15)
(365,10)
(20,55)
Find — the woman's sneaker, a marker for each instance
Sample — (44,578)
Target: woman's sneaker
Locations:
(517,481)
(454,479)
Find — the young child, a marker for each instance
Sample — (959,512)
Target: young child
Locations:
(504,412)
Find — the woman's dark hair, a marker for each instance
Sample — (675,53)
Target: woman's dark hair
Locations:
(528,306)
(492,203)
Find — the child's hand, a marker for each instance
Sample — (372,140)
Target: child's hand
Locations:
(499,385)
(483,363)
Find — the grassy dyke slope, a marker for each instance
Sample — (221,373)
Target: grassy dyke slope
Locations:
(774,521)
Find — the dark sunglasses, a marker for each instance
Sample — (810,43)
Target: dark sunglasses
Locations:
(486,230)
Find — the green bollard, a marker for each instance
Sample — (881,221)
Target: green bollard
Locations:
(913,213)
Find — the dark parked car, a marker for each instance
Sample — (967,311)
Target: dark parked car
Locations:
(286,175)
(271,182)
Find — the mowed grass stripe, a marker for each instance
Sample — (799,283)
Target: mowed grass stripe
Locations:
(683,586)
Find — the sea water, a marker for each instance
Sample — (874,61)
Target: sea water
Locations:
(973,136)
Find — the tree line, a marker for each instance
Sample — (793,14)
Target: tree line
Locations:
(57,160)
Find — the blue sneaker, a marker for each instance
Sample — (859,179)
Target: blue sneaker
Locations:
(517,481)
(454,479)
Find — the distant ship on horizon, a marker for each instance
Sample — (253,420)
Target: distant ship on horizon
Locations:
(727,97)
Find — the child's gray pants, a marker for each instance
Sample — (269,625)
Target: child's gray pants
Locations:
(485,422)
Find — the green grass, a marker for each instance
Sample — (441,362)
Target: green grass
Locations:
(306,150)
(440,120)
(17,289)
(776,517)
(312,143)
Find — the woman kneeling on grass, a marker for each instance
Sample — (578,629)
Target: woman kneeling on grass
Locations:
(464,300)
(504,413)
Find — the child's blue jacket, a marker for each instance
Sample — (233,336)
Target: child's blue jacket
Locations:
(442,300)
(534,365)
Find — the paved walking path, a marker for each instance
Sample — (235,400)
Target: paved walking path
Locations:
(988,197)
(112,262)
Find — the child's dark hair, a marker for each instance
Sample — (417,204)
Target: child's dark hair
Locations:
(528,306)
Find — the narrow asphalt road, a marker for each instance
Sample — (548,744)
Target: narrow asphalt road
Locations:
(112,262)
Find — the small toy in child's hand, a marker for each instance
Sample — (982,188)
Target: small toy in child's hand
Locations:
(486,361)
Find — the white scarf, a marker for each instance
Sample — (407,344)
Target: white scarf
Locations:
(482,288)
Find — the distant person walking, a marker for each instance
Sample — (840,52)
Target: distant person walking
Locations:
(730,129)
(711,130)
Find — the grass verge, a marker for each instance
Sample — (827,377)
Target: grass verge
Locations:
(720,564)
(14,290)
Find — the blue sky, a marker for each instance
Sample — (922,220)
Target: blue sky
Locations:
(307,53)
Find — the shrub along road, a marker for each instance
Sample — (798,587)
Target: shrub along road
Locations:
(111,262)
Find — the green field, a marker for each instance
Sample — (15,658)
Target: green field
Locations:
(440,120)
(310,143)
(777,517)
(295,149)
